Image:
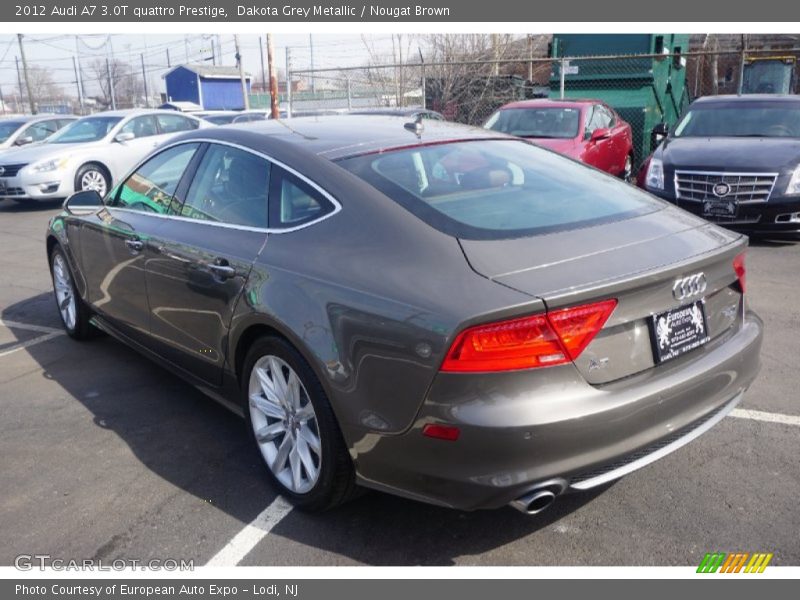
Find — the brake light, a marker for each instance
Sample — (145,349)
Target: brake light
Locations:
(542,340)
(741,271)
(441,432)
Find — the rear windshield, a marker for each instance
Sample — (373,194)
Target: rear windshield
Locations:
(757,119)
(539,122)
(7,129)
(496,189)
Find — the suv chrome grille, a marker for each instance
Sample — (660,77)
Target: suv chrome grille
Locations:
(697,186)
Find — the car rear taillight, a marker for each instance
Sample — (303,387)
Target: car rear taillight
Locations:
(741,271)
(544,340)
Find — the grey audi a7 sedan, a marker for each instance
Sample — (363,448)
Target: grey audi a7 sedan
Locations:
(440,312)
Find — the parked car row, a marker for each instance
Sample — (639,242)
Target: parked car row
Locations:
(90,153)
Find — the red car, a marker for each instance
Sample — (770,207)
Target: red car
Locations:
(586,130)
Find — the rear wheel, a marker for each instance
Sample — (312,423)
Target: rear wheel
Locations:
(74,313)
(292,424)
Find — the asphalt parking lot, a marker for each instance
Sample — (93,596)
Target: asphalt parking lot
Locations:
(105,455)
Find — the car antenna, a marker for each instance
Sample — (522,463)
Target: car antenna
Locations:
(416,126)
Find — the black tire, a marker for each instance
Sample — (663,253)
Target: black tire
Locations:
(94,171)
(78,328)
(335,483)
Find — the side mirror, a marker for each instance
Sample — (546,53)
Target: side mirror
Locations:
(657,135)
(124,137)
(26,139)
(600,133)
(85,202)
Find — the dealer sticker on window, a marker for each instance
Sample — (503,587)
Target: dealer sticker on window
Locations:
(678,331)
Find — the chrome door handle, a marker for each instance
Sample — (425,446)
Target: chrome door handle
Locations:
(134,245)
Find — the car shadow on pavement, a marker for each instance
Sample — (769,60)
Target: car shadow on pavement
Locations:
(10,206)
(197,445)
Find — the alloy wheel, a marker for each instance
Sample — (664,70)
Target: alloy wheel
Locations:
(62,281)
(285,424)
(94,180)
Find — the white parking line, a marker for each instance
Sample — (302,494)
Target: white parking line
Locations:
(39,328)
(247,539)
(757,415)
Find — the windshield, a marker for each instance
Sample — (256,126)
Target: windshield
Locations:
(7,129)
(89,129)
(536,122)
(496,189)
(759,119)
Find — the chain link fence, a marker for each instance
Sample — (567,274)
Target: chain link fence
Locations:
(645,89)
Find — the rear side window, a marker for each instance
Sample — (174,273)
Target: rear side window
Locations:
(230,186)
(173,123)
(496,189)
(294,202)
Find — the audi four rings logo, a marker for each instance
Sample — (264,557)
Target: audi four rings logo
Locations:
(693,285)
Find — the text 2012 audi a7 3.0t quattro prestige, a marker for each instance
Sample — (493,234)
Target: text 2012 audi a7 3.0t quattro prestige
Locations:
(440,312)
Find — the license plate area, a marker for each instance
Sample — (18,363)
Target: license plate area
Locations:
(678,331)
(720,209)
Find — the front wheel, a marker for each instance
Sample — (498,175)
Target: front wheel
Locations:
(92,176)
(74,313)
(293,426)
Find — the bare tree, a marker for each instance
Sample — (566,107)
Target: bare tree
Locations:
(42,85)
(126,81)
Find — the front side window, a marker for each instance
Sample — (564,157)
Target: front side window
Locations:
(498,189)
(543,122)
(152,187)
(88,129)
(140,127)
(230,186)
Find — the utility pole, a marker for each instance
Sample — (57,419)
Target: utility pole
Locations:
(424,91)
(530,57)
(144,79)
(273,79)
(242,78)
(288,83)
(79,76)
(213,52)
(25,72)
(313,77)
(111,85)
(78,82)
(263,72)
(2,101)
(19,84)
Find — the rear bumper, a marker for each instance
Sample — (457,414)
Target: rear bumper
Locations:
(523,428)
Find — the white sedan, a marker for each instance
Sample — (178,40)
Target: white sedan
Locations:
(90,154)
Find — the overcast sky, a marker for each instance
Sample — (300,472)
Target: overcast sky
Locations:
(55,52)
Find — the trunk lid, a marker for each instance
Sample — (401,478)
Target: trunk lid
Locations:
(637,261)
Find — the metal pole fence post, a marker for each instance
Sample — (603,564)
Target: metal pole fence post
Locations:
(349,94)
(144,79)
(288,83)
(562,76)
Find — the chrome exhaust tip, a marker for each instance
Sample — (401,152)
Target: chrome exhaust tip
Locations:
(540,498)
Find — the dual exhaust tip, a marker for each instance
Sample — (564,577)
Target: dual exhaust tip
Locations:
(540,497)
